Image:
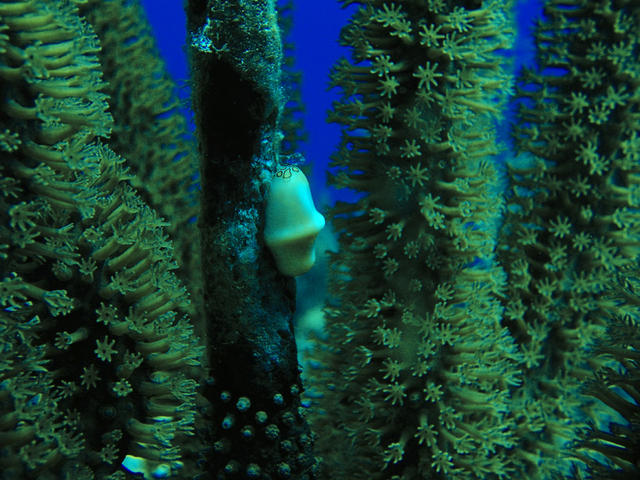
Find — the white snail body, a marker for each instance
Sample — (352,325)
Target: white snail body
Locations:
(292,222)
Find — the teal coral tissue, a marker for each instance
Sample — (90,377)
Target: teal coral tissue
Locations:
(99,359)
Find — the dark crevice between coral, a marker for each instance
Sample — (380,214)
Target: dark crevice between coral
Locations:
(231,114)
